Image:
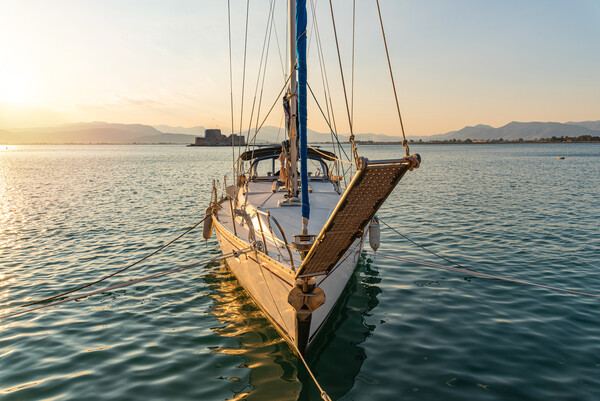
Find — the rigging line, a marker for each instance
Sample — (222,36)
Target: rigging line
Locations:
(326,89)
(321,68)
(328,156)
(243,80)
(324,77)
(484,275)
(331,129)
(404,142)
(127,283)
(231,86)
(118,271)
(319,54)
(287,29)
(279,130)
(260,67)
(265,119)
(310,39)
(422,247)
(279,50)
(353,34)
(262,87)
(354,149)
(333,133)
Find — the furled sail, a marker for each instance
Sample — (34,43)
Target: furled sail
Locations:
(302,109)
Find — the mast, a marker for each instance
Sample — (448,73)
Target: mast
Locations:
(293,102)
(296,101)
(302,108)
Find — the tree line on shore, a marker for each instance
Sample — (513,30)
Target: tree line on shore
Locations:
(554,139)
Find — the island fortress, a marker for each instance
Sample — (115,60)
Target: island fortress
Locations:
(213,137)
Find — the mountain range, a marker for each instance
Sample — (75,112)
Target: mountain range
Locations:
(102,132)
(518,130)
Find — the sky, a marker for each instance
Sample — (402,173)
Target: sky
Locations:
(455,63)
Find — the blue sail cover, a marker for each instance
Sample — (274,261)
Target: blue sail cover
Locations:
(302,97)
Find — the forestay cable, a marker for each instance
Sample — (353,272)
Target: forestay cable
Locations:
(387,53)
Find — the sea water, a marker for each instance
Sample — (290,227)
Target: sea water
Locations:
(72,214)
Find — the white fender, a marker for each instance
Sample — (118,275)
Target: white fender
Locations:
(374,234)
(208,224)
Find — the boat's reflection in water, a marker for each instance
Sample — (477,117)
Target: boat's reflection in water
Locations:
(275,372)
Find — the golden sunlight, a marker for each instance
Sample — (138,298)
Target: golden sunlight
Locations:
(5,148)
(15,88)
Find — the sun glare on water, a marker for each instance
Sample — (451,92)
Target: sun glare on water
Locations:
(5,148)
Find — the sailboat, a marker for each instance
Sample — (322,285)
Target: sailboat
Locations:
(294,230)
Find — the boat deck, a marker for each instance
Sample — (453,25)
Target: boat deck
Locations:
(262,214)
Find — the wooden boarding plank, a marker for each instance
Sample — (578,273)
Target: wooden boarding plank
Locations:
(369,188)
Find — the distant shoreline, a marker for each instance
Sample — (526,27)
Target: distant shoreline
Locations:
(486,142)
(362,143)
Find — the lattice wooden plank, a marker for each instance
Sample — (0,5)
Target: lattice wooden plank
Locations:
(368,190)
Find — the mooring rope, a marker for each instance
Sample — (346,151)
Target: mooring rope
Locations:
(484,275)
(422,247)
(128,283)
(324,395)
(118,271)
(471,272)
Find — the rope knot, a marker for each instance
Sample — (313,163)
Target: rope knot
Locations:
(405,144)
(414,160)
(324,396)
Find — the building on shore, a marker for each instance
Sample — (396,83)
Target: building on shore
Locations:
(213,137)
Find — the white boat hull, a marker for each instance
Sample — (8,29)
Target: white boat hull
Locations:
(269,285)
(297,284)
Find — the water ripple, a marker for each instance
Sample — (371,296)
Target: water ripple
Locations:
(71,214)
